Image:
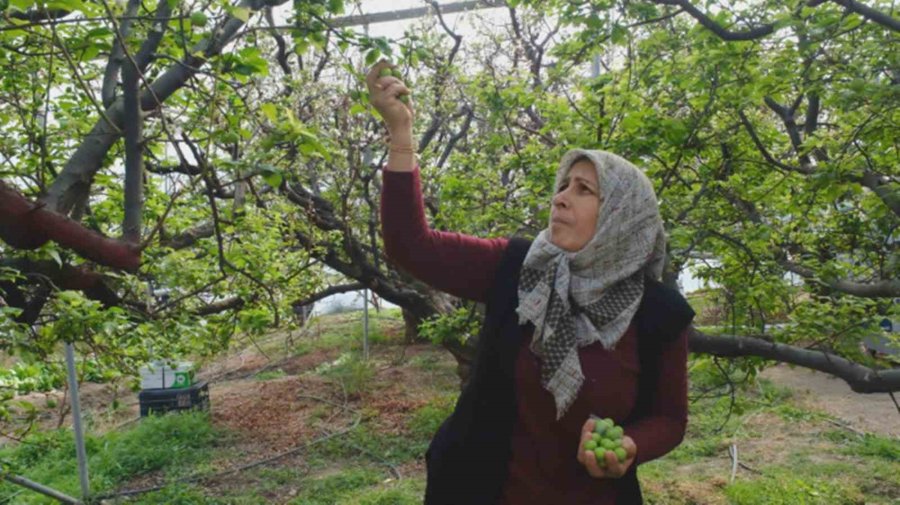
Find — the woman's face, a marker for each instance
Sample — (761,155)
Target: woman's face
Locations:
(576,204)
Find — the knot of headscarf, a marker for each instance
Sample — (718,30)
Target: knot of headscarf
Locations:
(578,298)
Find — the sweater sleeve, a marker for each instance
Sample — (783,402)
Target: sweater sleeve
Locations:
(459,264)
(663,429)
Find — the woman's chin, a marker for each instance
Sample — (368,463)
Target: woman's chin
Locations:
(562,243)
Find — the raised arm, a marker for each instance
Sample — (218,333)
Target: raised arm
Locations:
(458,264)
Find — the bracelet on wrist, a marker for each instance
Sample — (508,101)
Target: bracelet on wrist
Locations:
(402,149)
(406,146)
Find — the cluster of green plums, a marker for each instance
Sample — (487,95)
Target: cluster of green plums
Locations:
(606,437)
(393,72)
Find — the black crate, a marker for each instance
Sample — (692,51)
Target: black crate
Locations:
(165,400)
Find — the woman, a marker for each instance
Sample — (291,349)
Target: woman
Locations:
(577,325)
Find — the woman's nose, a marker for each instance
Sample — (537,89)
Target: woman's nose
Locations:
(561,200)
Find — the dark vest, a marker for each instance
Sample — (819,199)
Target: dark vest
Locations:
(468,456)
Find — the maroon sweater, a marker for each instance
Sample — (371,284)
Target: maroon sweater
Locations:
(543,468)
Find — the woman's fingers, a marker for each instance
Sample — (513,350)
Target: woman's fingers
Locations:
(616,468)
(588,426)
(385,90)
(630,448)
(393,88)
(396,88)
(613,467)
(373,75)
(585,436)
(593,467)
(586,431)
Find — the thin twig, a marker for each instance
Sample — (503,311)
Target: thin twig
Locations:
(846,427)
(749,469)
(895,401)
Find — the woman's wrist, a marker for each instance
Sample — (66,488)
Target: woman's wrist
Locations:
(401,136)
(401,151)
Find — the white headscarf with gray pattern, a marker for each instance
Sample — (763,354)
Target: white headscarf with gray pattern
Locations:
(578,298)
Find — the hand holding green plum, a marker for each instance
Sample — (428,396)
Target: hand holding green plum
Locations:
(604,450)
(390,96)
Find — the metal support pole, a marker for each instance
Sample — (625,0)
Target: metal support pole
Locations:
(40,488)
(413,13)
(76,421)
(366,324)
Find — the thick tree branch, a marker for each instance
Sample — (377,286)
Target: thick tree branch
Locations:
(884,188)
(74,182)
(787,115)
(325,293)
(134,162)
(154,36)
(860,379)
(79,278)
(190,236)
(185,169)
(40,14)
(724,34)
(221,306)
(879,289)
(111,75)
(765,153)
(26,225)
(321,215)
(865,11)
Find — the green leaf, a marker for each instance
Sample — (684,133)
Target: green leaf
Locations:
(372,56)
(273,179)
(241,13)
(55,255)
(270,111)
(336,6)
(619,34)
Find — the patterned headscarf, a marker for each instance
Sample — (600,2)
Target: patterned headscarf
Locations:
(577,298)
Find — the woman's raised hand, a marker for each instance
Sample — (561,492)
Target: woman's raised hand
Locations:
(390,97)
(604,461)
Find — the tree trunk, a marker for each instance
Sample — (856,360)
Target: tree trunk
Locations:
(411,326)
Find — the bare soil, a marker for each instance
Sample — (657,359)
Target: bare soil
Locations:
(872,413)
(267,417)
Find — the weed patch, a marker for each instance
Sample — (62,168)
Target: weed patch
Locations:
(169,443)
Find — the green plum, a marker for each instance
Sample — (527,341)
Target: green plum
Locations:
(600,454)
(199,19)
